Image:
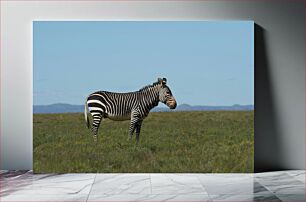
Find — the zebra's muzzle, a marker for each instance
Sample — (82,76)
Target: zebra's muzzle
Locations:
(171,103)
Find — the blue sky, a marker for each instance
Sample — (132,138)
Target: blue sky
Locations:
(205,62)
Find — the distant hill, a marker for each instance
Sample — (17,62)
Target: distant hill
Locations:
(186,107)
(57,108)
(68,108)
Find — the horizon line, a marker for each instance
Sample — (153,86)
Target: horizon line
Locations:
(156,106)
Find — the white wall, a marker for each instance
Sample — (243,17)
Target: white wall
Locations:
(280,73)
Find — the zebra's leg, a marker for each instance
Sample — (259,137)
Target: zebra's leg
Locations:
(138,128)
(97,118)
(131,130)
(134,120)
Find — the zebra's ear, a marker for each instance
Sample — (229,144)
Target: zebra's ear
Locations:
(160,80)
(164,81)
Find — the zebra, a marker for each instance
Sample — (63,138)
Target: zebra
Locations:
(133,106)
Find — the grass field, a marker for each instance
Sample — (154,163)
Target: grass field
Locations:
(221,141)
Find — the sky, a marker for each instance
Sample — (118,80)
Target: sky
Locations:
(205,62)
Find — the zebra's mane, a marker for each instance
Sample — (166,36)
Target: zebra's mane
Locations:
(148,86)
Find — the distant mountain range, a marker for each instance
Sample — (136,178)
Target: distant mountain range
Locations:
(68,108)
(186,107)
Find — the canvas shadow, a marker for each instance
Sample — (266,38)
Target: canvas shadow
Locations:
(267,148)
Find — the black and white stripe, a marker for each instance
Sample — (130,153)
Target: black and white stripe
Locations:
(134,106)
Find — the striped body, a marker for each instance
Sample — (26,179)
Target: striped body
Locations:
(119,106)
(134,106)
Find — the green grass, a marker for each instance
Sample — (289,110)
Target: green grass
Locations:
(221,141)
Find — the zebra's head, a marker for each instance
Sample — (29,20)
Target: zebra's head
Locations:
(165,94)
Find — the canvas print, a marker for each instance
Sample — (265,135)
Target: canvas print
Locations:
(143,96)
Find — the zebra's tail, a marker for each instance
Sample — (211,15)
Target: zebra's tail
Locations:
(86,115)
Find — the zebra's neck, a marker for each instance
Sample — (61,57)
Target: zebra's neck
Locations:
(150,97)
